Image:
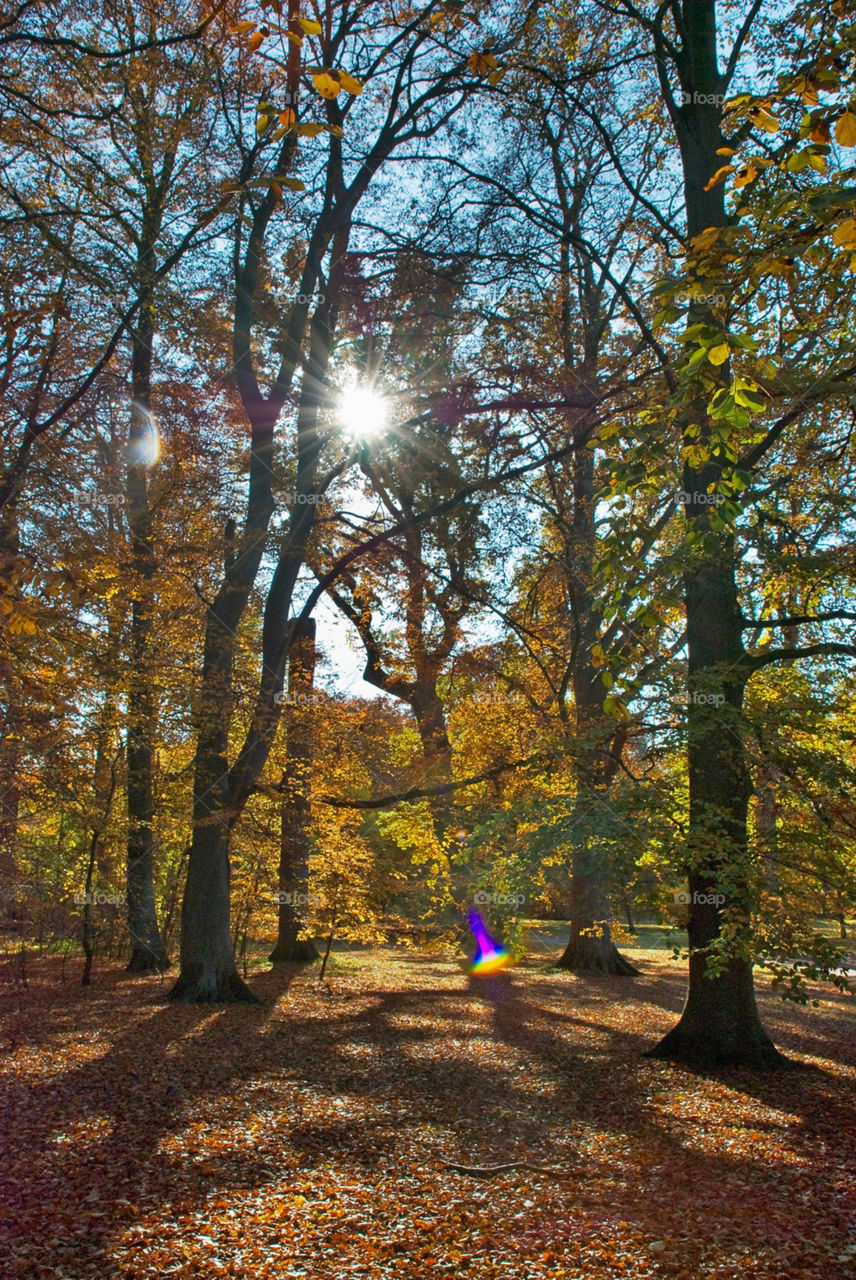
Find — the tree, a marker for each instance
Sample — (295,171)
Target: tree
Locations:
(296,806)
(414,109)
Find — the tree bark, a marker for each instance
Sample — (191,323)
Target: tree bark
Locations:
(296,804)
(590,947)
(148,952)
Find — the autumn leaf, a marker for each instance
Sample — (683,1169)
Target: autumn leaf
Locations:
(763,118)
(310,26)
(844,235)
(481,63)
(350,83)
(705,239)
(745,175)
(326,85)
(721,173)
(845,129)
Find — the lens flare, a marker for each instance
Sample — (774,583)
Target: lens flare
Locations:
(490,956)
(144,447)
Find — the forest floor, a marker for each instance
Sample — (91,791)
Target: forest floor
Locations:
(306,1137)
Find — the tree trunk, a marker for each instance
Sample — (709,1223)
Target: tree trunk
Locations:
(296,805)
(148,952)
(719,1024)
(590,947)
(627,910)
(208,971)
(10,793)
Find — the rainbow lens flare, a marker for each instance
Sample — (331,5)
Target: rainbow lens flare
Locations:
(490,956)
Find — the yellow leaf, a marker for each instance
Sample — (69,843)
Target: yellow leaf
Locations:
(261,124)
(725,151)
(706,239)
(844,235)
(718,354)
(764,119)
(350,83)
(745,175)
(310,129)
(241,28)
(807,91)
(310,26)
(286,118)
(718,176)
(326,85)
(254,41)
(845,129)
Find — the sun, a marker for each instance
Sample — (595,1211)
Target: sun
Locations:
(363,411)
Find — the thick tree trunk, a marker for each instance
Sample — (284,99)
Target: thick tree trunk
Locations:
(208,970)
(590,947)
(719,1024)
(296,805)
(427,707)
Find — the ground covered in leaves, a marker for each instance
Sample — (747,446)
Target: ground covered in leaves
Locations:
(307,1137)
